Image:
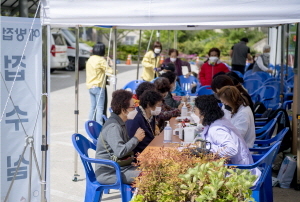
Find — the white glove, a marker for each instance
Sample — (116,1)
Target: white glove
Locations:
(113,79)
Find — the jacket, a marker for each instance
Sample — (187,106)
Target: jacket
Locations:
(149,128)
(150,62)
(208,71)
(171,102)
(178,65)
(95,71)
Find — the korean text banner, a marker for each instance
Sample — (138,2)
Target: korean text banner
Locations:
(21,74)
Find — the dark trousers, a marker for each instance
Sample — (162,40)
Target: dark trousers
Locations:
(240,68)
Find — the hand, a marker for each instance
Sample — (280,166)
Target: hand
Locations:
(183,98)
(187,75)
(180,106)
(110,62)
(139,134)
(188,106)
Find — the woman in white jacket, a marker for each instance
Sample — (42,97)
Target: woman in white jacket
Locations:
(241,115)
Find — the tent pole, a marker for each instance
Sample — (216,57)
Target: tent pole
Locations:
(287,50)
(139,55)
(276,49)
(296,107)
(115,56)
(76,112)
(282,62)
(45,89)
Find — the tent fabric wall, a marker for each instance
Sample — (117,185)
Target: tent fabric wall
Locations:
(170,14)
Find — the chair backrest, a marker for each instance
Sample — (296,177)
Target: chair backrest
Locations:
(266,131)
(239,73)
(253,76)
(186,83)
(132,85)
(263,75)
(205,90)
(252,85)
(268,92)
(247,73)
(276,138)
(93,130)
(82,145)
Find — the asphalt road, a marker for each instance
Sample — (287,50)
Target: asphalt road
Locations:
(62,126)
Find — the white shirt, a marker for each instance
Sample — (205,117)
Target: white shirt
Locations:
(243,120)
(261,65)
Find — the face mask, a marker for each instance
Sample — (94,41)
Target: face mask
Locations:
(267,54)
(156,50)
(195,117)
(156,112)
(132,114)
(228,107)
(213,59)
(173,59)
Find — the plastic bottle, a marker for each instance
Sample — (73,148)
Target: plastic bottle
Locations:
(168,133)
(184,110)
(188,97)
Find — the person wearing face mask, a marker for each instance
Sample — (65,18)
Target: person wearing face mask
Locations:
(241,115)
(225,139)
(114,139)
(163,86)
(151,62)
(173,53)
(140,90)
(211,67)
(170,67)
(262,62)
(149,108)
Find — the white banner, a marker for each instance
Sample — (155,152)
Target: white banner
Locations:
(21,73)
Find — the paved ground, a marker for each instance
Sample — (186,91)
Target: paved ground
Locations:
(62,102)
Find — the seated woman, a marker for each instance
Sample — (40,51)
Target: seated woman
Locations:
(150,106)
(224,80)
(170,67)
(162,85)
(140,90)
(114,139)
(225,139)
(211,67)
(241,114)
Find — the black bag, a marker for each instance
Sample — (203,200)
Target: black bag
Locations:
(259,108)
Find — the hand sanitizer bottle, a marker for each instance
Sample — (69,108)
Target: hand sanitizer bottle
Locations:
(184,110)
(168,133)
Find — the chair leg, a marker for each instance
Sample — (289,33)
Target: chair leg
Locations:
(256,196)
(268,189)
(126,192)
(106,191)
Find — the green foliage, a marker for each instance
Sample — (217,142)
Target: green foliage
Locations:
(169,175)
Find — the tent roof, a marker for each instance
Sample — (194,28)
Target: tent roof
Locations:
(170,14)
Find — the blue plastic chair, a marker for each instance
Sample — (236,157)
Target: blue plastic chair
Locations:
(239,74)
(264,93)
(93,130)
(205,90)
(94,189)
(186,83)
(252,85)
(132,85)
(247,73)
(259,144)
(266,131)
(263,75)
(262,191)
(253,76)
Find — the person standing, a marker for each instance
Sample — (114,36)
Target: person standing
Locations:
(211,67)
(173,53)
(263,61)
(96,70)
(151,62)
(239,53)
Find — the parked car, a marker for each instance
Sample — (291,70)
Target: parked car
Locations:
(84,50)
(58,51)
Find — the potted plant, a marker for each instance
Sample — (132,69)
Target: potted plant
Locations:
(170,175)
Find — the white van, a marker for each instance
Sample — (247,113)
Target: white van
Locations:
(58,51)
(85,50)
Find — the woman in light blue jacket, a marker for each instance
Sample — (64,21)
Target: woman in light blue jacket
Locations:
(225,139)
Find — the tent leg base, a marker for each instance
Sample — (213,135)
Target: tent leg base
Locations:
(75,178)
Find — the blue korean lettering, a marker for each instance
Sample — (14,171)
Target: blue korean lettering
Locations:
(20,34)
(34,33)
(16,121)
(6,34)
(22,171)
(14,62)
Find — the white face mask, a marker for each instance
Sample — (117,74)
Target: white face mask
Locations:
(195,117)
(156,50)
(213,59)
(267,54)
(132,114)
(173,59)
(156,112)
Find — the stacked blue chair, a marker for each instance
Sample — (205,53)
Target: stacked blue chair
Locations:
(94,189)
(263,75)
(262,145)
(132,85)
(205,90)
(266,131)
(247,73)
(262,191)
(186,83)
(253,76)
(93,130)
(239,74)
(252,85)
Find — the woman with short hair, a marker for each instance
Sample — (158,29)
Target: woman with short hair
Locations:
(241,114)
(114,140)
(149,107)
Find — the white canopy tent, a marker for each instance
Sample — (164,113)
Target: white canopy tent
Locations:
(171,15)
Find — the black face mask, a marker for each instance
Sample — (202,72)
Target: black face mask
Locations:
(228,107)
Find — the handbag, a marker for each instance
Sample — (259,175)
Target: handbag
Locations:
(124,161)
